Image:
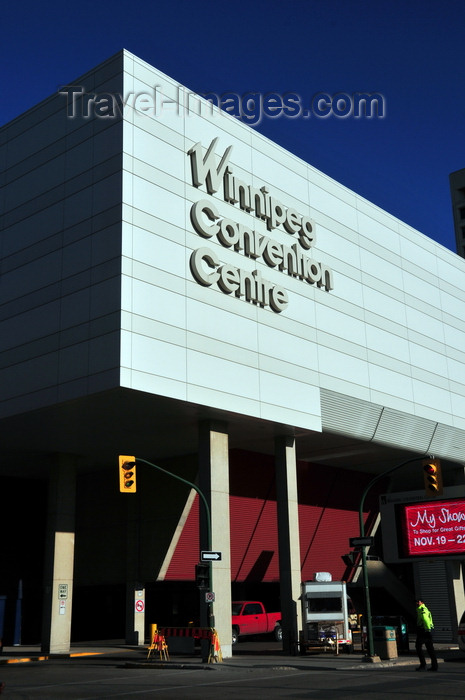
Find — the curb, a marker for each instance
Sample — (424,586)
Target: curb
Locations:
(278,666)
(23,660)
(49,657)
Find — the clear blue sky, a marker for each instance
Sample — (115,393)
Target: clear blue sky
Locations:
(410,51)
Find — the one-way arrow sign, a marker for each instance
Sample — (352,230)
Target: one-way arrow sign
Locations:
(210,556)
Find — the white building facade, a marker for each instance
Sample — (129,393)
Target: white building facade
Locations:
(165,264)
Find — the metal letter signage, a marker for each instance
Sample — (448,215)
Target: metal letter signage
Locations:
(293,257)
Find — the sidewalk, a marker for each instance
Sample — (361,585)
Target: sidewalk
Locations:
(136,657)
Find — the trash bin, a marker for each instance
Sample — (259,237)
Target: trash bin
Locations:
(400,627)
(384,642)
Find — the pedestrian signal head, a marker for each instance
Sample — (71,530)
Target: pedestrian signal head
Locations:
(202,575)
(432,477)
(127,474)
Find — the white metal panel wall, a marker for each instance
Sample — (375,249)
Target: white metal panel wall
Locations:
(60,251)
(391,332)
(382,352)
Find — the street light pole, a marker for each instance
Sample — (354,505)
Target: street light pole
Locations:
(196,488)
(366,589)
(208,520)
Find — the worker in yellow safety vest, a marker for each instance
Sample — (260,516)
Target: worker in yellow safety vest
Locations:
(425,628)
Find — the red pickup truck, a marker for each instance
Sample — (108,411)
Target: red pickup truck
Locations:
(250,617)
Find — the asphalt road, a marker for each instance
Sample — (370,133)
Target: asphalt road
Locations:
(105,678)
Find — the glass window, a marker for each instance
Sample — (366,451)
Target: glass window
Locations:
(323,605)
(252,609)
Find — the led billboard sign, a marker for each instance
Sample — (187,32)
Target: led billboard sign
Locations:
(434,528)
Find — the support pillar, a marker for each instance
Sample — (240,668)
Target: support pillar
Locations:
(59,557)
(214,484)
(135,614)
(288,541)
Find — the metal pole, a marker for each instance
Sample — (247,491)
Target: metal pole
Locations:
(189,483)
(366,588)
(208,518)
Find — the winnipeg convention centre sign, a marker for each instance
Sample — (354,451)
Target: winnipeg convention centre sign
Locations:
(294,259)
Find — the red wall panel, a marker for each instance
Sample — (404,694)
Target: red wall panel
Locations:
(328,516)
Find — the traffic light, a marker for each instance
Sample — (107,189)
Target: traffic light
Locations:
(432,477)
(127,474)
(202,575)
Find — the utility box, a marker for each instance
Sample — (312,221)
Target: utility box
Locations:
(384,642)
(325,617)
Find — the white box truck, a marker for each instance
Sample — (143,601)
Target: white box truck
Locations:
(325,616)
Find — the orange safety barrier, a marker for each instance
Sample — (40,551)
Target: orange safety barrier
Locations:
(215,649)
(158,639)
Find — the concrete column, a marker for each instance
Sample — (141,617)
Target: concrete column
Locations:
(59,557)
(288,541)
(135,614)
(214,484)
